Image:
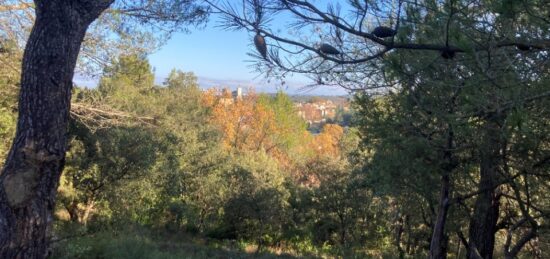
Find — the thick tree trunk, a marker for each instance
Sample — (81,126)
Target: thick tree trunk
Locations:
(486,209)
(31,173)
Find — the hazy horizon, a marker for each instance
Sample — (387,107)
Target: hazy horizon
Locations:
(260,86)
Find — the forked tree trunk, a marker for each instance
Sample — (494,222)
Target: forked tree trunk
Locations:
(87,212)
(486,209)
(31,173)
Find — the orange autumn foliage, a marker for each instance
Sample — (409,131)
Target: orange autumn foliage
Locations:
(248,124)
(327,143)
(245,124)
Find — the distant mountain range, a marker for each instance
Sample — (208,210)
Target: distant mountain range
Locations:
(295,89)
(262,86)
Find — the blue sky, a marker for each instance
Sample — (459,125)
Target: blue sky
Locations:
(218,57)
(207,52)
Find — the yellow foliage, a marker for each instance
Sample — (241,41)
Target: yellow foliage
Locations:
(327,143)
(244,123)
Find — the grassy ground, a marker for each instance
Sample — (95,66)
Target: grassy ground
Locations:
(138,244)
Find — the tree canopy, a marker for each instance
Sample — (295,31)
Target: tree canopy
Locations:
(443,153)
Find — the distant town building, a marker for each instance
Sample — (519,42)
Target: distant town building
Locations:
(228,97)
(237,94)
(319,111)
(314,112)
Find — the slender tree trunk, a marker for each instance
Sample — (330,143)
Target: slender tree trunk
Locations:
(72,209)
(409,236)
(459,245)
(342,229)
(486,209)
(511,253)
(399,236)
(87,212)
(438,244)
(31,173)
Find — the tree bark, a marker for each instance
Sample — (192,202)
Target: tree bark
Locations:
(72,209)
(399,236)
(486,209)
(438,244)
(87,212)
(31,173)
